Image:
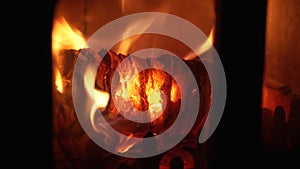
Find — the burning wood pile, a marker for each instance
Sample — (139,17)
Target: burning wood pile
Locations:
(152,89)
(124,95)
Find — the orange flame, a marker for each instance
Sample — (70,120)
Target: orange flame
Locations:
(137,29)
(210,40)
(208,44)
(58,81)
(65,37)
(175,93)
(125,144)
(142,90)
(99,98)
(153,87)
(125,148)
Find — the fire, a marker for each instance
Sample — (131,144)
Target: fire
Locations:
(136,28)
(99,98)
(154,100)
(210,40)
(146,91)
(65,37)
(125,144)
(58,81)
(125,148)
(175,93)
(154,96)
(142,90)
(208,44)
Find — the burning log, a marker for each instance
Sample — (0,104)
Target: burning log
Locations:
(150,87)
(139,91)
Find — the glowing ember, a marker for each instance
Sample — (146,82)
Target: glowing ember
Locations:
(153,87)
(175,92)
(154,100)
(143,90)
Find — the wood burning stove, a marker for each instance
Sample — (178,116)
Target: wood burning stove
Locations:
(234,41)
(122,90)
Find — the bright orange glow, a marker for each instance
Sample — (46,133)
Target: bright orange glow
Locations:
(125,45)
(142,90)
(154,83)
(133,92)
(101,98)
(175,93)
(125,144)
(211,36)
(65,37)
(125,148)
(137,29)
(154,100)
(58,81)
(128,78)
(203,47)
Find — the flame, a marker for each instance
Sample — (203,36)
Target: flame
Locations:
(126,44)
(143,91)
(210,40)
(128,83)
(175,93)
(154,96)
(133,90)
(125,144)
(58,81)
(137,29)
(203,47)
(65,37)
(125,148)
(99,98)
(154,100)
